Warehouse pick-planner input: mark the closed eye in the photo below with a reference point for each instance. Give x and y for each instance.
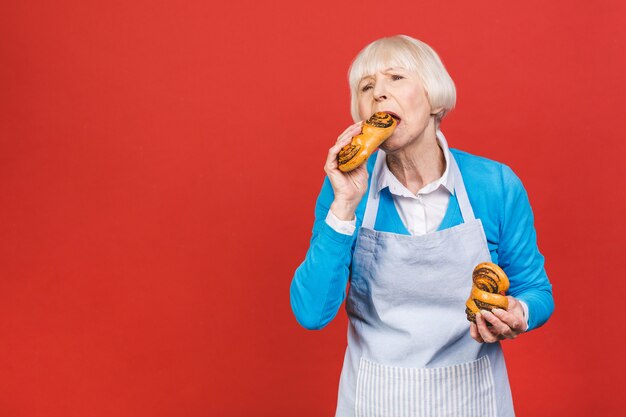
(366, 87)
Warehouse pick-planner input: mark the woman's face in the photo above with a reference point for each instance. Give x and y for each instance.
(400, 93)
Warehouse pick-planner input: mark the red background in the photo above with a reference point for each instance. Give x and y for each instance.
(159, 164)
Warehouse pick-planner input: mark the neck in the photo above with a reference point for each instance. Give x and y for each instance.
(419, 163)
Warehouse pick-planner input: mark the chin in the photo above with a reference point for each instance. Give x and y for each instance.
(392, 145)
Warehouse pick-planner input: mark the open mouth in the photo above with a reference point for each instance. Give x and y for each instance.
(395, 116)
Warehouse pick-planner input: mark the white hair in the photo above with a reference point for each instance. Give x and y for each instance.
(402, 51)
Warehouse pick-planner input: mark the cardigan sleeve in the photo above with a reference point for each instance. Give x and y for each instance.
(518, 253)
(319, 285)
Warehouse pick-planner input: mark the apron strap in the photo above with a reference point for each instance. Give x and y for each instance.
(461, 193)
(459, 186)
(373, 197)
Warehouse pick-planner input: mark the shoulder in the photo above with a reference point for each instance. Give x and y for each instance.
(480, 172)
(476, 164)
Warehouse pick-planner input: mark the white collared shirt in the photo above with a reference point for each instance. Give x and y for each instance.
(421, 213)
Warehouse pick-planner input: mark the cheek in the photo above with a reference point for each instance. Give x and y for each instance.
(419, 100)
(365, 105)
(364, 111)
(419, 106)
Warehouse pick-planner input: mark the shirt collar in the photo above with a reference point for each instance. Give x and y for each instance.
(386, 179)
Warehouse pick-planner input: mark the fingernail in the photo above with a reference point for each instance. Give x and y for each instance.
(483, 311)
(496, 310)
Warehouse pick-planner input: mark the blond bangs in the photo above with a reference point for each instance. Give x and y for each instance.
(378, 57)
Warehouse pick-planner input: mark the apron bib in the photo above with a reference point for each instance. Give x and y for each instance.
(409, 351)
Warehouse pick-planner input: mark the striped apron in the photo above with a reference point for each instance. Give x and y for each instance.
(409, 351)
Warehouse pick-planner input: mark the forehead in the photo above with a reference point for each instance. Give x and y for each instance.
(383, 71)
(381, 59)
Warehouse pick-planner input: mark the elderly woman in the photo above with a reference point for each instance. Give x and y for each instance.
(406, 230)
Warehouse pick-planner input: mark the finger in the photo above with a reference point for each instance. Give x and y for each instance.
(331, 158)
(358, 177)
(515, 322)
(515, 307)
(498, 328)
(351, 131)
(474, 333)
(339, 144)
(343, 140)
(361, 170)
(484, 332)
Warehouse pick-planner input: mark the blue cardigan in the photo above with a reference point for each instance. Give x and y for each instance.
(498, 199)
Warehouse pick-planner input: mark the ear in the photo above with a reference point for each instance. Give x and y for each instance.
(436, 111)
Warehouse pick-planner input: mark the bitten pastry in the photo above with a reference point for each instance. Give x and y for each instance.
(374, 132)
(489, 286)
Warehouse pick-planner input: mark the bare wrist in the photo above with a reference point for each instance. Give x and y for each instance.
(342, 210)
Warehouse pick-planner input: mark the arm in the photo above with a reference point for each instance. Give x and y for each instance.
(519, 255)
(520, 258)
(319, 285)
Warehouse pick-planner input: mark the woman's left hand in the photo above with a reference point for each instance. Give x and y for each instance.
(505, 324)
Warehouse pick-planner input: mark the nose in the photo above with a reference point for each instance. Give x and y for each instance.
(380, 92)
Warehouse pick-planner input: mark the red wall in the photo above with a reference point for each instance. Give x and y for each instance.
(159, 163)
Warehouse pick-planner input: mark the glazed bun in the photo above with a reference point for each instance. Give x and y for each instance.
(375, 131)
(489, 286)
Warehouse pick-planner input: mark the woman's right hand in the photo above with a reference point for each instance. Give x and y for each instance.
(349, 187)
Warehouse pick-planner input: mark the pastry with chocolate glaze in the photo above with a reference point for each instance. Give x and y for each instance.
(375, 131)
(489, 286)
